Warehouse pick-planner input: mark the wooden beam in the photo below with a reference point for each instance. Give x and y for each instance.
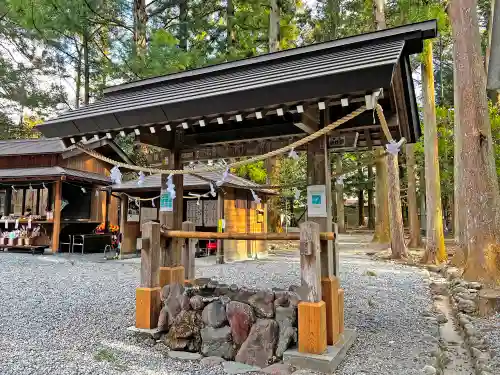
(56, 227)
(305, 128)
(330, 236)
(229, 151)
(240, 133)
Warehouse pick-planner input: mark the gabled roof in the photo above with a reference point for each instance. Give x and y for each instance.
(17, 147)
(39, 146)
(49, 172)
(356, 65)
(153, 182)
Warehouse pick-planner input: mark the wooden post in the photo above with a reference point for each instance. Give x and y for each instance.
(311, 312)
(220, 216)
(8, 201)
(319, 173)
(23, 203)
(147, 304)
(56, 226)
(171, 253)
(123, 221)
(106, 213)
(188, 252)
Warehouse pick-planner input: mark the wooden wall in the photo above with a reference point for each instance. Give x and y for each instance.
(87, 163)
(241, 216)
(27, 161)
(84, 162)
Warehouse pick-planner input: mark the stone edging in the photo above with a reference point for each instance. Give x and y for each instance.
(463, 297)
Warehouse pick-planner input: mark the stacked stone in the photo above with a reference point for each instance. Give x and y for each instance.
(254, 327)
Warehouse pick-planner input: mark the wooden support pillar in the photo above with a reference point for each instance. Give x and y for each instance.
(220, 216)
(319, 173)
(147, 296)
(8, 202)
(23, 203)
(188, 252)
(56, 226)
(123, 222)
(37, 209)
(312, 311)
(106, 212)
(171, 254)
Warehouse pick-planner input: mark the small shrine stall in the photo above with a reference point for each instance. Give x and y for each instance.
(230, 207)
(49, 192)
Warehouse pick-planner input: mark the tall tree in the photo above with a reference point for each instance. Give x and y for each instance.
(382, 228)
(435, 251)
(481, 198)
(140, 26)
(415, 237)
(398, 245)
(274, 26)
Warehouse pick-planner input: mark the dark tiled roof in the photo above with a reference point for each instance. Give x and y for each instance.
(153, 182)
(257, 82)
(41, 172)
(32, 146)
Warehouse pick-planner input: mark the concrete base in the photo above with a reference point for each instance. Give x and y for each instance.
(326, 362)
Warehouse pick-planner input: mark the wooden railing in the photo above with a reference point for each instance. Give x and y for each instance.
(325, 236)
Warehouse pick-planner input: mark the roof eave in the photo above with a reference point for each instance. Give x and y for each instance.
(424, 30)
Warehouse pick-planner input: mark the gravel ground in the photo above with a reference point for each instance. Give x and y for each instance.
(61, 316)
(490, 330)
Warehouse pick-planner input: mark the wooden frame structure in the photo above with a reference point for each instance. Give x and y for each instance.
(233, 203)
(37, 174)
(255, 105)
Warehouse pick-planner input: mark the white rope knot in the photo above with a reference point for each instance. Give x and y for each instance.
(256, 198)
(116, 175)
(140, 180)
(292, 154)
(296, 193)
(394, 147)
(224, 177)
(171, 187)
(212, 190)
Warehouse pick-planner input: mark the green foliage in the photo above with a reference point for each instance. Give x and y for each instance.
(255, 172)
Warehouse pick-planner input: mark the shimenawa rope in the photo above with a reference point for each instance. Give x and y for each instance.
(240, 163)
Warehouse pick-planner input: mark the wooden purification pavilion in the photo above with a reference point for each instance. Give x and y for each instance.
(252, 106)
